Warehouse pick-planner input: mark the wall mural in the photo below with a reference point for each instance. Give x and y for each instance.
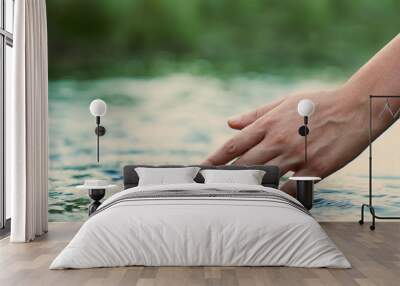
(172, 72)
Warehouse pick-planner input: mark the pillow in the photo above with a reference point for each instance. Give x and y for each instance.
(165, 176)
(247, 177)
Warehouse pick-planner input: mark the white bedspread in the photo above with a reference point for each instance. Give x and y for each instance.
(200, 231)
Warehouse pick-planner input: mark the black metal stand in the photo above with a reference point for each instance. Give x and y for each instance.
(304, 131)
(100, 131)
(370, 205)
(96, 195)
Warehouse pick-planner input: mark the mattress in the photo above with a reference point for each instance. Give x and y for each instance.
(201, 225)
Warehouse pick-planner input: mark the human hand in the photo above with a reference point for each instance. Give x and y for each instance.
(338, 128)
(269, 135)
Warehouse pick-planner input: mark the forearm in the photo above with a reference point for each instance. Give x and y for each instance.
(379, 76)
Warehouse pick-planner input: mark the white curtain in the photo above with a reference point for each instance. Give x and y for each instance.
(26, 123)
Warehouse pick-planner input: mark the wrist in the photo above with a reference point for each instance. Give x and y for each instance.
(359, 103)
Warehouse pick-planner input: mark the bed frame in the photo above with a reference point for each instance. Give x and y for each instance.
(270, 179)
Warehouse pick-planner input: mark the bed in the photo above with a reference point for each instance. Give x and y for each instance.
(198, 224)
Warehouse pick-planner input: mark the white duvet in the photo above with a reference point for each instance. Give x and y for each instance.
(200, 231)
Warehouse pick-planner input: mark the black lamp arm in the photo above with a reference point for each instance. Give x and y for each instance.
(303, 131)
(100, 131)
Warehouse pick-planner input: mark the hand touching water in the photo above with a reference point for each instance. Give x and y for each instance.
(269, 135)
(338, 127)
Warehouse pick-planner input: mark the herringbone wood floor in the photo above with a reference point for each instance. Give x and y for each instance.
(375, 257)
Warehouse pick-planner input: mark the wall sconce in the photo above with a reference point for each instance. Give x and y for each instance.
(305, 108)
(98, 108)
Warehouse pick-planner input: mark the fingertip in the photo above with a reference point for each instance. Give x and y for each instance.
(207, 163)
(289, 188)
(234, 123)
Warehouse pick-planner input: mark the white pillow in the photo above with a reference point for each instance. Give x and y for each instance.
(247, 177)
(165, 176)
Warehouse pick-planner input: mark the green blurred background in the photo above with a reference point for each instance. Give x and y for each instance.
(173, 71)
(103, 38)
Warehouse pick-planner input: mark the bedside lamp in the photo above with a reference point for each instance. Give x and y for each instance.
(305, 108)
(98, 108)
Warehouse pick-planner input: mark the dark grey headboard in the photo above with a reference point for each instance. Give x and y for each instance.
(271, 177)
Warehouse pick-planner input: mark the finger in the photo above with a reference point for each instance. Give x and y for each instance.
(241, 121)
(237, 145)
(289, 187)
(285, 165)
(258, 155)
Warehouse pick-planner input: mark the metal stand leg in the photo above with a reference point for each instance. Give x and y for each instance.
(374, 216)
(372, 211)
(361, 221)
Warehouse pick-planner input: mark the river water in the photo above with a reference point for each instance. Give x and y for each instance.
(179, 119)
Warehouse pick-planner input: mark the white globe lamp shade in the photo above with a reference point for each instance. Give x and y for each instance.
(98, 107)
(305, 107)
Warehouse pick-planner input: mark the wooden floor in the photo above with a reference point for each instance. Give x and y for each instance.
(375, 257)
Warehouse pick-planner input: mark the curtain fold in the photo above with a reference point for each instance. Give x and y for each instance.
(27, 123)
